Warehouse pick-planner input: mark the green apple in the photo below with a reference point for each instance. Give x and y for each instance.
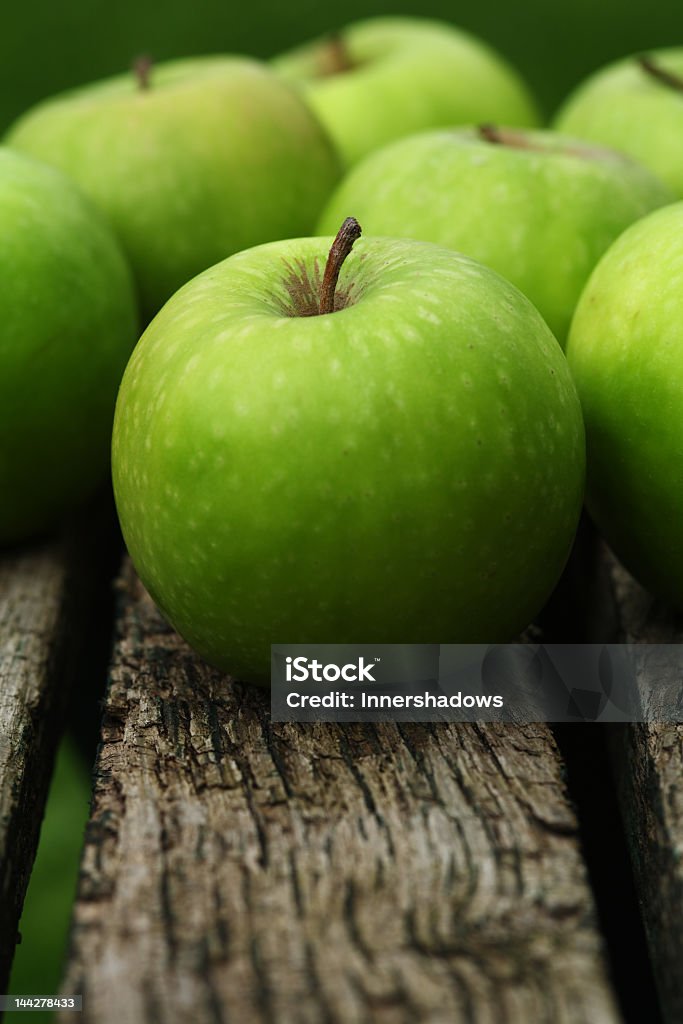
(381, 79)
(191, 161)
(397, 459)
(537, 207)
(635, 105)
(626, 353)
(69, 323)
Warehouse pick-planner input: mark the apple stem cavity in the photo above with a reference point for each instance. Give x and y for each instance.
(348, 233)
(142, 69)
(660, 74)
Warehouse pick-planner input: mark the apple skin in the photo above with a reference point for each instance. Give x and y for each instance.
(185, 169)
(540, 213)
(69, 324)
(412, 74)
(625, 351)
(407, 468)
(624, 107)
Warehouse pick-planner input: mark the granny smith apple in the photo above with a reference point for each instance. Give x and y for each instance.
(191, 161)
(626, 353)
(537, 207)
(393, 456)
(69, 324)
(380, 79)
(635, 105)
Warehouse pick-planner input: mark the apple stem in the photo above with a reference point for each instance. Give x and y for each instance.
(655, 70)
(337, 56)
(348, 233)
(505, 137)
(142, 67)
(490, 133)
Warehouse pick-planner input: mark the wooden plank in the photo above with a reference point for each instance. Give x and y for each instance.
(47, 595)
(33, 622)
(648, 768)
(238, 870)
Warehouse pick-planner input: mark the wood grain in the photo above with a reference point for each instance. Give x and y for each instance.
(236, 870)
(36, 620)
(53, 598)
(648, 768)
(33, 621)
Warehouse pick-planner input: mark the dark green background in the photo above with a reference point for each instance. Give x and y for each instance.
(47, 45)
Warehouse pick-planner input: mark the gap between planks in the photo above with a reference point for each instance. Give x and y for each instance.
(648, 769)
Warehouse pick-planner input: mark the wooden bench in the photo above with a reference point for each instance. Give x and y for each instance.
(237, 870)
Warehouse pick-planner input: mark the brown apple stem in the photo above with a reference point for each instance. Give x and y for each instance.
(490, 133)
(514, 139)
(336, 56)
(142, 68)
(655, 70)
(348, 233)
(505, 137)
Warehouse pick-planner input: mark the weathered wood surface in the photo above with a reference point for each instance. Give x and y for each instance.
(648, 768)
(52, 594)
(40, 589)
(33, 618)
(237, 870)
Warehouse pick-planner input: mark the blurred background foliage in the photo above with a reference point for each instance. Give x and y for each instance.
(47, 46)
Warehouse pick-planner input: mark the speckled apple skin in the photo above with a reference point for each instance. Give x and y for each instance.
(216, 155)
(626, 353)
(624, 107)
(405, 469)
(68, 323)
(541, 214)
(411, 74)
